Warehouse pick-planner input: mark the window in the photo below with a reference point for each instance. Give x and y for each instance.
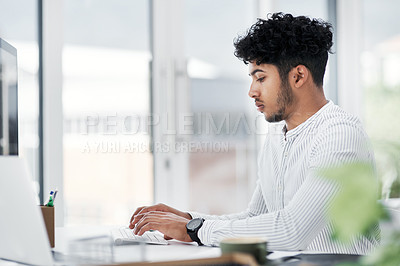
(325, 10)
(380, 61)
(19, 27)
(223, 155)
(108, 167)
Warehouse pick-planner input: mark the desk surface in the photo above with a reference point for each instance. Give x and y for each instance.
(131, 253)
(175, 251)
(179, 251)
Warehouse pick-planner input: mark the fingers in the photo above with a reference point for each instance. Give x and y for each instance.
(136, 212)
(171, 225)
(153, 218)
(136, 219)
(139, 210)
(139, 214)
(149, 226)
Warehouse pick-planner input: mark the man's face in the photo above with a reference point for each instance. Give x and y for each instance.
(272, 96)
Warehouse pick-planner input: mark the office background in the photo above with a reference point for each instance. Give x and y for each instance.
(105, 85)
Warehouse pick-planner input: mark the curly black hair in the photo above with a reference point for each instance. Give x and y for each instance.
(286, 41)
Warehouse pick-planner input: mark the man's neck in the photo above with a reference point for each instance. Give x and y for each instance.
(303, 110)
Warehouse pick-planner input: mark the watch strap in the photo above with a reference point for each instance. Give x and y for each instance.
(194, 233)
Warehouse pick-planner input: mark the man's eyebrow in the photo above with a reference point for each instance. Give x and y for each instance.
(255, 71)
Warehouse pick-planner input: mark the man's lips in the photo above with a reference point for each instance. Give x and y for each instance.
(260, 106)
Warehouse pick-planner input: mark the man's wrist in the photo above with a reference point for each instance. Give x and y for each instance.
(192, 227)
(188, 238)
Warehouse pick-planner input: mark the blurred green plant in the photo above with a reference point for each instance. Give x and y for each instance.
(386, 255)
(355, 210)
(381, 106)
(387, 155)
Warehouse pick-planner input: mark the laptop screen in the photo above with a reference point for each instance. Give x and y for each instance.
(22, 230)
(8, 99)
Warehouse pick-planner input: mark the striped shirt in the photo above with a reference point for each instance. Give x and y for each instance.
(290, 201)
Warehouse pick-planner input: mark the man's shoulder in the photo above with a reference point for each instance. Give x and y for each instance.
(340, 137)
(336, 119)
(338, 128)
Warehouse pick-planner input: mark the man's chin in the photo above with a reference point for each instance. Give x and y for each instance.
(273, 118)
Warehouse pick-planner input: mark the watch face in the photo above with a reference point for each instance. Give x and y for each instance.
(193, 224)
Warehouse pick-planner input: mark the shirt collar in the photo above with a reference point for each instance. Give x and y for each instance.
(305, 124)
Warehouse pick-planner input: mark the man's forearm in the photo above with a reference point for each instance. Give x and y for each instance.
(234, 216)
(256, 207)
(292, 228)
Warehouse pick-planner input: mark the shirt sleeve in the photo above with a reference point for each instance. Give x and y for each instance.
(256, 207)
(296, 225)
(291, 228)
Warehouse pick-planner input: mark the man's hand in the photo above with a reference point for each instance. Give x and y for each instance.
(141, 211)
(170, 224)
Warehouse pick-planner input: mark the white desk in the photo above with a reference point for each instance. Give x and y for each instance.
(133, 253)
(64, 236)
(180, 251)
(174, 251)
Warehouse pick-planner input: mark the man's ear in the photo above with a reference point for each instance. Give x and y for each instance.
(298, 76)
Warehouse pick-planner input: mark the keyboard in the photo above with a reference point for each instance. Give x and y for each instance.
(124, 236)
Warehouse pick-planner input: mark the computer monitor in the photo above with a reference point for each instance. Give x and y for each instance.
(8, 99)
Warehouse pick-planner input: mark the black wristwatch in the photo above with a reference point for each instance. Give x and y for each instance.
(192, 227)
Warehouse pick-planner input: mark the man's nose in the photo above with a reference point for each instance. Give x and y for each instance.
(253, 92)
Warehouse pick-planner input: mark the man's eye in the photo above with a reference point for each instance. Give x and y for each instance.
(261, 79)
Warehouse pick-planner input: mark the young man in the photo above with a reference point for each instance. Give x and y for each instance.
(286, 57)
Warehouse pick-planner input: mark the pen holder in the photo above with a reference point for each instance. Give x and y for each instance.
(48, 217)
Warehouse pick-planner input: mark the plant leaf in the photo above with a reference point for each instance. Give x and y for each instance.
(355, 209)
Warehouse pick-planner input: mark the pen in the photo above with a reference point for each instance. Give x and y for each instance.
(50, 203)
(54, 196)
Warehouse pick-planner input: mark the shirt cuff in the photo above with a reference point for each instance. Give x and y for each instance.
(205, 233)
(195, 215)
